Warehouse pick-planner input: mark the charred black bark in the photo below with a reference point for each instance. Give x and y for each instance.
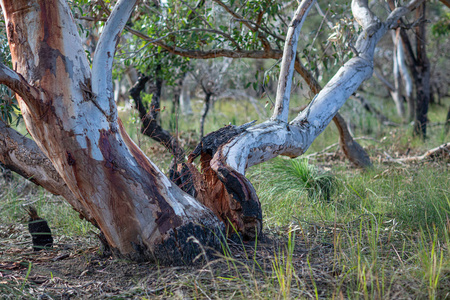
(149, 117)
(447, 122)
(205, 110)
(423, 78)
(190, 244)
(212, 141)
(39, 230)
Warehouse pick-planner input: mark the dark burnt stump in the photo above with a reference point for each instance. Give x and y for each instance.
(39, 230)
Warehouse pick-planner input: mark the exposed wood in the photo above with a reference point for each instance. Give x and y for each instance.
(272, 138)
(441, 152)
(141, 213)
(229, 194)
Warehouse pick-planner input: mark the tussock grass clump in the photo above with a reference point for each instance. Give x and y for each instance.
(298, 176)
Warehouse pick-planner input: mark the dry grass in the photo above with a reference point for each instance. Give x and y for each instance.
(383, 234)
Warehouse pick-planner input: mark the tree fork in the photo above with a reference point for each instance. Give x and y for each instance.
(71, 114)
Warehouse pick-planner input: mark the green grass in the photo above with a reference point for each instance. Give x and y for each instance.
(378, 234)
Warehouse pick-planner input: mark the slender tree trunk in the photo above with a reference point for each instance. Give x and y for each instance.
(423, 77)
(177, 95)
(412, 62)
(185, 98)
(149, 124)
(206, 105)
(397, 92)
(447, 121)
(407, 81)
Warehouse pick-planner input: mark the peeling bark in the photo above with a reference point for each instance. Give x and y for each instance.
(22, 156)
(228, 193)
(137, 208)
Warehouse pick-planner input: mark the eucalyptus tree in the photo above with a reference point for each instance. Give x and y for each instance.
(69, 110)
(234, 29)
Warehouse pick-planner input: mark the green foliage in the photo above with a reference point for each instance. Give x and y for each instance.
(9, 110)
(442, 26)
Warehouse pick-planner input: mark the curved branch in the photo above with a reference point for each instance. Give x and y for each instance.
(104, 56)
(363, 14)
(23, 156)
(200, 54)
(150, 126)
(18, 84)
(281, 110)
(272, 138)
(155, 41)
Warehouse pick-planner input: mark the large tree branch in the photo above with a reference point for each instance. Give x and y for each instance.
(23, 156)
(214, 53)
(357, 154)
(18, 84)
(281, 110)
(102, 85)
(160, 39)
(272, 138)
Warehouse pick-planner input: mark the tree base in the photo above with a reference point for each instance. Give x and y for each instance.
(189, 244)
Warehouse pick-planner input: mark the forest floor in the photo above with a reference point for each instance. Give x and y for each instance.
(330, 231)
(370, 256)
(74, 269)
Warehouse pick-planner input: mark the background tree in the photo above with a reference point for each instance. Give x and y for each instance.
(253, 32)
